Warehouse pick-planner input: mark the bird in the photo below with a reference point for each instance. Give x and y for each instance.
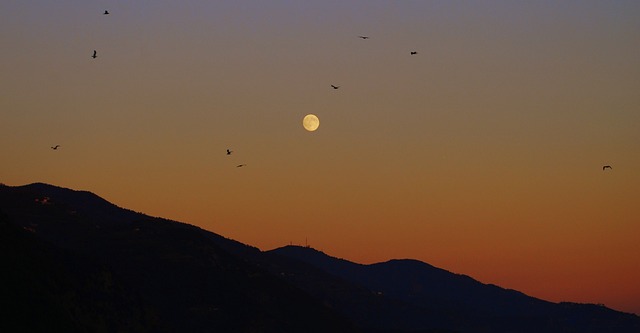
(414, 52)
(335, 87)
(363, 37)
(229, 152)
(606, 167)
(55, 147)
(240, 165)
(95, 54)
(106, 12)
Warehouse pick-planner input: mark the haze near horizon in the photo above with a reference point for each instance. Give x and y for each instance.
(482, 154)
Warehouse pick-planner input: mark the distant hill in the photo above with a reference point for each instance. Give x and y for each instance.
(73, 262)
(460, 302)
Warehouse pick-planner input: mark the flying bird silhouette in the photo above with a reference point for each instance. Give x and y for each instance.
(106, 12)
(414, 52)
(229, 152)
(55, 147)
(363, 37)
(95, 54)
(606, 167)
(335, 87)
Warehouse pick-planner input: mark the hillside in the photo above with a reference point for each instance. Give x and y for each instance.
(75, 262)
(81, 252)
(458, 302)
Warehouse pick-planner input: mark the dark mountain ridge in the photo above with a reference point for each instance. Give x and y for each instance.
(469, 305)
(183, 281)
(417, 281)
(126, 271)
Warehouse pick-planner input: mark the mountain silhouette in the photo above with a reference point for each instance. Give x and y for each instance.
(181, 280)
(460, 302)
(75, 262)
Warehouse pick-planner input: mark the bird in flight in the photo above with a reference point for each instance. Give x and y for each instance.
(106, 12)
(606, 167)
(229, 151)
(363, 37)
(95, 54)
(55, 147)
(335, 87)
(240, 165)
(414, 52)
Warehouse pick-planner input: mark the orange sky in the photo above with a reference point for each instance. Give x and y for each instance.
(482, 154)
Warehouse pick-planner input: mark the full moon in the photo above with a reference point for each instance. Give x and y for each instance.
(310, 122)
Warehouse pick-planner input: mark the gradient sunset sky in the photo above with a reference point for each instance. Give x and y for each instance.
(482, 154)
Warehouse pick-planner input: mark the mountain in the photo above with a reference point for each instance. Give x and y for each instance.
(71, 261)
(460, 302)
(74, 262)
(45, 288)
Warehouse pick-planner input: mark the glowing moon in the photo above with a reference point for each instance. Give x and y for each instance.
(310, 122)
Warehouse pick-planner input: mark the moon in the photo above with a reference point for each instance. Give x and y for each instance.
(311, 122)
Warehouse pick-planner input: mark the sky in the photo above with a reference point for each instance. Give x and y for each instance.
(481, 154)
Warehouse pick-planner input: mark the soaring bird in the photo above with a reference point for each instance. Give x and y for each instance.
(335, 87)
(55, 147)
(95, 54)
(363, 37)
(229, 152)
(106, 12)
(240, 165)
(414, 52)
(606, 167)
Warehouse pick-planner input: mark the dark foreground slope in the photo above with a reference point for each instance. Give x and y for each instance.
(74, 262)
(47, 289)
